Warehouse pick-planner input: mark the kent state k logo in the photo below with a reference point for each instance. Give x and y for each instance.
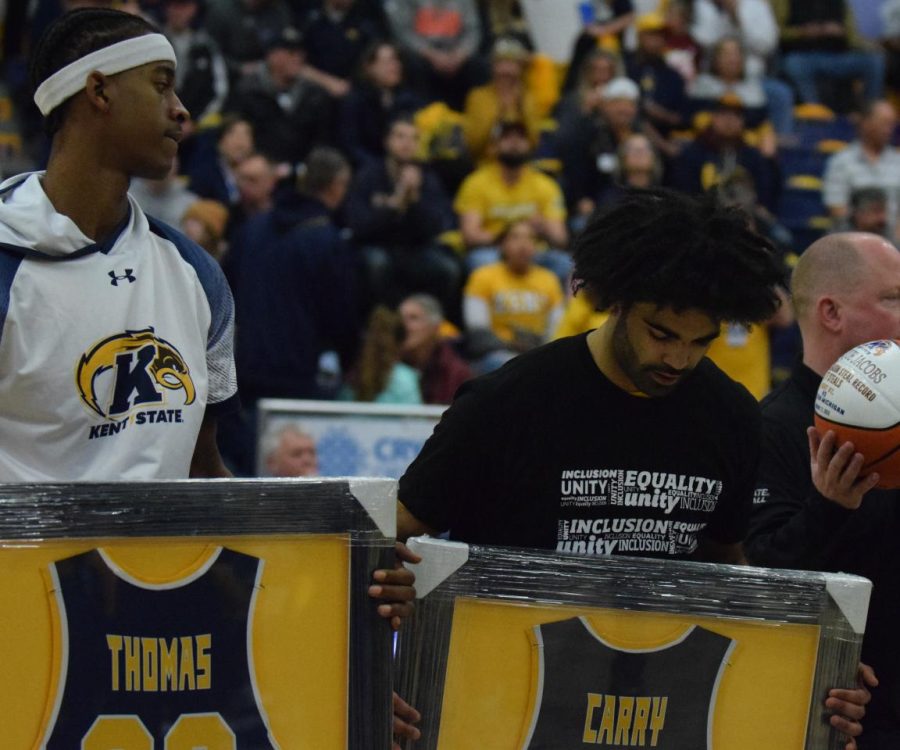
(133, 366)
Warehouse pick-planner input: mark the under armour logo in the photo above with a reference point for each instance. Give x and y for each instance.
(117, 278)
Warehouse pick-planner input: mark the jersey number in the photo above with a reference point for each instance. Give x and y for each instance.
(189, 732)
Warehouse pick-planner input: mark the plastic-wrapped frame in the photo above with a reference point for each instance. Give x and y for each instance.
(786, 637)
(353, 520)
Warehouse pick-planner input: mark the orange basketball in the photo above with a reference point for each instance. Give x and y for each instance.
(859, 399)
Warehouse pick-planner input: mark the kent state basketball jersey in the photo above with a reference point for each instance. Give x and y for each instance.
(590, 693)
(156, 666)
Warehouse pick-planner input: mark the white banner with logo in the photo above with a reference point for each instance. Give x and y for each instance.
(348, 439)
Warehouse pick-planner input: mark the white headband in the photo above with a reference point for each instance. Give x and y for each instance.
(110, 60)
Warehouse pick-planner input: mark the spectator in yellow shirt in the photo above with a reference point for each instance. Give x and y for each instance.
(509, 190)
(504, 98)
(511, 306)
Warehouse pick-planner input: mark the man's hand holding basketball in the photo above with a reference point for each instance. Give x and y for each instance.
(836, 470)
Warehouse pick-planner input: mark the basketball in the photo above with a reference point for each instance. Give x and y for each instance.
(859, 399)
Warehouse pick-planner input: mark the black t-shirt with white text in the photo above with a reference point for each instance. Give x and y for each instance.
(546, 452)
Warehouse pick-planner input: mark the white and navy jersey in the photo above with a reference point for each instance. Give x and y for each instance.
(110, 353)
(591, 693)
(170, 664)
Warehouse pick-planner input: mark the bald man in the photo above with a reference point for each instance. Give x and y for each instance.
(813, 508)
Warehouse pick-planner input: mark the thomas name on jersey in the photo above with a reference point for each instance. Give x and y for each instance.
(141, 664)
(624, 720)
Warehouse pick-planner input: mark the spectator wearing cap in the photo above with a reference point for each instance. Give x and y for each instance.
(663, 100)
(289, 113)
(720, 150)
(753, 23)
(588, 145)
(244, 29)
(727, 76)
(201, 78)
(869, 161)
(336, 33)
(820, 41)
(505, 191)
(504, 98)
(440, 40)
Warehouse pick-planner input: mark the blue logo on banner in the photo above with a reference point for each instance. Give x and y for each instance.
(340, 455)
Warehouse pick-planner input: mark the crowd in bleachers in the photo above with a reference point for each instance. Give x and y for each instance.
(392, 186)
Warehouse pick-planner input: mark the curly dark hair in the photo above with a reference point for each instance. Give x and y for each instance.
(677, 251)
(74, 35)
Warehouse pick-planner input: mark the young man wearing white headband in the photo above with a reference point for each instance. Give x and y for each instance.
(115, 330)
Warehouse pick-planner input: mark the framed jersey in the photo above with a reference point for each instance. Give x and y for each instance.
(195, 614)
(528, 650)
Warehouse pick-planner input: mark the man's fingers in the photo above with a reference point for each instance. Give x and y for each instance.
(394, 577)
(404, 710)
(813, 435)
(392, 610)
(865, 484)
(845, 726)
(847, 703)
(404, 718)
(392, 593)
(405, 554)
(838, 462)
(405, 729)
(865, 674)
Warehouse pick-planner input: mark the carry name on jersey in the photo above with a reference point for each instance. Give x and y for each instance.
(156, 666)
(593, 694)
(109, 353)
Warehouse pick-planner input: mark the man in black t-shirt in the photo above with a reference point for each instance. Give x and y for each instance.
(624, 440)
(846, 291)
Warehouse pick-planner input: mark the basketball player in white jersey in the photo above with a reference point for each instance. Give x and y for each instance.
(115, 330)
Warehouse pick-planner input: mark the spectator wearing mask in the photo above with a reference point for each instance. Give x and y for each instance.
(506, 191)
